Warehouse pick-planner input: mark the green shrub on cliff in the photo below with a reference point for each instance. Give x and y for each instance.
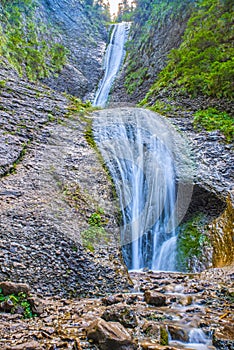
(24, 41)
(212, 119)
(203, 64)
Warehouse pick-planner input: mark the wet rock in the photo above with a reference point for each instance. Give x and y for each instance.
(178, 332)
(122, 314)
(110, 335)
(223, 337)
(14, 288)
(112, 299)
(154, 298)
(152, 329)
(185, 300)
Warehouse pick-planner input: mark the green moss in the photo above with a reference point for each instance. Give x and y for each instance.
(163, 336)
(191, 241)
(212, 119)
(96, 232)
(2, 83)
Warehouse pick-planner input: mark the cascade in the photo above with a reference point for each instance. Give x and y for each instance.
(113, 59)
(140, 150)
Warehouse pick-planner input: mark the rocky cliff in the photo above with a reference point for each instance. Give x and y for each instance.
(52, 183)
(85, 36)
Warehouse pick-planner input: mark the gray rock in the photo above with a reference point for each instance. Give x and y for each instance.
(110, 335)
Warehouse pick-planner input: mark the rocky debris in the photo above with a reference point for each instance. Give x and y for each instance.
(156, 299)
(110, 335)
(78, 323)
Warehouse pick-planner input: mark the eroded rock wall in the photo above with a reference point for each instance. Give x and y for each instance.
(51, 183)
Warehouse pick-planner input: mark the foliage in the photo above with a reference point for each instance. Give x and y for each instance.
(100, 9)
(18, 301)
(204, 63)
(212, 119)
(96, 232)
(77, 106)
(24, 41)
(190, 242)
(148, 17)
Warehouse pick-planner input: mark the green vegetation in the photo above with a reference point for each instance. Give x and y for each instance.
(77, 106)
(148, 18)
(96, 232)
(163, 336)
(18, 303)
(190, 243)
(24, 41)
(203, 64)
(212, 119)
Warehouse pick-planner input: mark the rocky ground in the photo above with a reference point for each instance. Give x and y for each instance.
(196, 311)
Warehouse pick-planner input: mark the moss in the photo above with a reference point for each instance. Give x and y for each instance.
(2, 83)
(163, 336)
(18, 301)
(191, 241)
(24, 42)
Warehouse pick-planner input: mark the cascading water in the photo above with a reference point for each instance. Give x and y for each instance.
(113, 59)
(137, 146)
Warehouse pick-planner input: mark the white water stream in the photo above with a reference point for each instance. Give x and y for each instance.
(113, 59)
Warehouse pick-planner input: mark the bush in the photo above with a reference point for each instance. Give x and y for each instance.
(212, 119)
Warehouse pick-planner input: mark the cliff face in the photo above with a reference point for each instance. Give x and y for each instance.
(51, 185)
(58, 42)
(85, 36)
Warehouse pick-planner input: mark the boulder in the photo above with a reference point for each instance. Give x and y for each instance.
(14, 288)
(155, 298)
(122, 314)
(110, 335)
(178, 332)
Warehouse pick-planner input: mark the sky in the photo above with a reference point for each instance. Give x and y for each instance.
(114, 6)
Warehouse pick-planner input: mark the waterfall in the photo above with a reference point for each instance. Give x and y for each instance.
(113, 59)
(139, 149)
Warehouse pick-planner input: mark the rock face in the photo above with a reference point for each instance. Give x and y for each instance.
(54, 184)
(150, 55)
(85, 38)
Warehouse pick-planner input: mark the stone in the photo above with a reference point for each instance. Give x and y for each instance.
(14, 288)
(122, 314)
(110, 335)
(178, 332)
(223, 337)
(152, 329)
(154, 298)
(31, 345)
(112, 299)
